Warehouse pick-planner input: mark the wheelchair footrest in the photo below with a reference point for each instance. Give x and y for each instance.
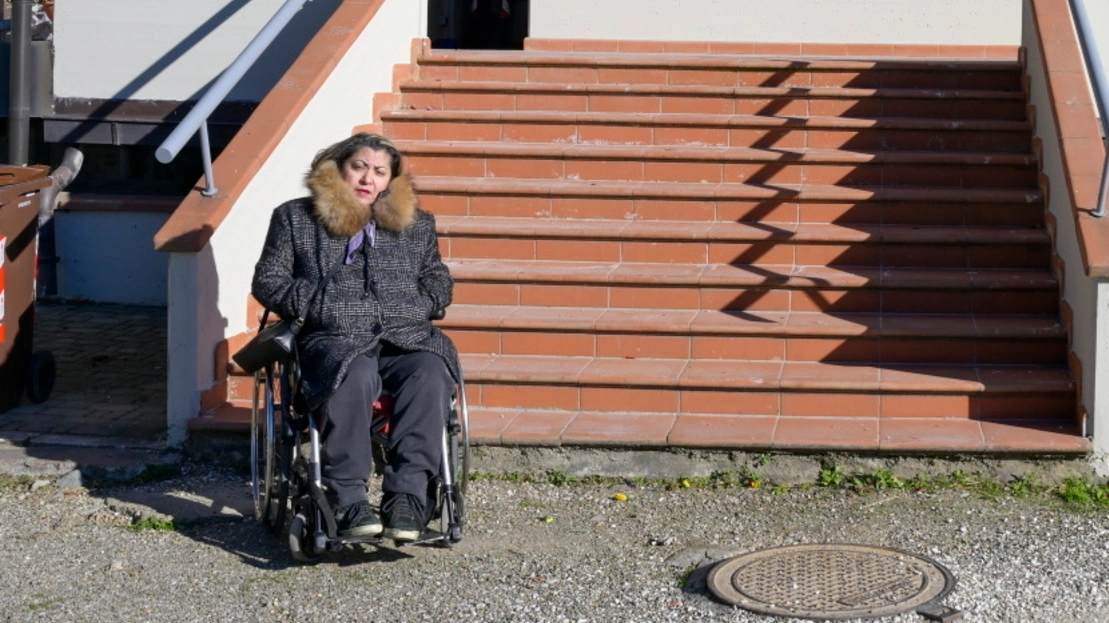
(426, 537)
(352, 540)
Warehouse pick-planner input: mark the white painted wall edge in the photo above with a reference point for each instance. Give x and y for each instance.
(931, 22)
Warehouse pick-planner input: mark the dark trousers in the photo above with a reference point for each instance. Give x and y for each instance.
(421, 387)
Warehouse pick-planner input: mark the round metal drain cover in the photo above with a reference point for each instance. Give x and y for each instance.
(829, 581)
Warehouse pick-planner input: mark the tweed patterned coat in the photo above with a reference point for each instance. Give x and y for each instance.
(386, 293)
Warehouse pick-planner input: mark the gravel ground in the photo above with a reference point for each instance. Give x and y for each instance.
(532, 553)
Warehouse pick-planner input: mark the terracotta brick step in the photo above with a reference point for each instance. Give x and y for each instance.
(753, 288)
(782, 203)
(707, 99)
(790, 388)
(893, 339)
(697, 164)
(536, 427)
(1028, 382)
(927, 433)
(715, 69)
(708, 242)
(700, 129)
(756, 336)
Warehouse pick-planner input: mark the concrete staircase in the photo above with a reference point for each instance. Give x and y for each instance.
(667, 250)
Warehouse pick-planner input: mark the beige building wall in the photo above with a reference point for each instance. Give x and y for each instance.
(941, 22)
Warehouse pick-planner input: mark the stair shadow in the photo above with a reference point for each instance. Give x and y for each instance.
(852, 301)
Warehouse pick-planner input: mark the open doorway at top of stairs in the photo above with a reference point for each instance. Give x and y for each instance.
(478, 24)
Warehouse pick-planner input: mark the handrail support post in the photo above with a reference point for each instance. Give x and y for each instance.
(206, 155)
(1099, 209)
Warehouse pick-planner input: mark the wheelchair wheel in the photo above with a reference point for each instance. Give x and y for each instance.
(453, 511)
(285, 452)
(270, 456)
(302, 539)
(460, 441)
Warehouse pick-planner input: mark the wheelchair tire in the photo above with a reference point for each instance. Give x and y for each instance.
(41, 374)
(285, 446)
(302, 539)
(257, 452)
(460, 443)
(271, 456)
(278, 503)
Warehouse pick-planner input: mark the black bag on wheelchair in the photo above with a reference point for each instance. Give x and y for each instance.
(278, 340)
(272, 343)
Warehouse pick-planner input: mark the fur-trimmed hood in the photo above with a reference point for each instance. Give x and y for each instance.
(340, 212)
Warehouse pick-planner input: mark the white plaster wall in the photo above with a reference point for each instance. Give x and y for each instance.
(1098, 12)
(168, 49)
(107, 257)
(208, 291)
(954, 22)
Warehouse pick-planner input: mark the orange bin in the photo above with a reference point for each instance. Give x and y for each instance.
(22, 369)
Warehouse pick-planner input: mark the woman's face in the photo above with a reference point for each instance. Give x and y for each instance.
(368, 173)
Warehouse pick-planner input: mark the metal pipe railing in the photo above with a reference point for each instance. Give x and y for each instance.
(197, 119)
(1100, 82)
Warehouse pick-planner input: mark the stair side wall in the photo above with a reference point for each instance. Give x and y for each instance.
(1067, 133)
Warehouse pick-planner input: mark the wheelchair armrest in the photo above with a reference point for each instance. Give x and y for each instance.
(438, 313)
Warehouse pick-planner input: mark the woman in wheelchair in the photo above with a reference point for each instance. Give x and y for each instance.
(368, 330)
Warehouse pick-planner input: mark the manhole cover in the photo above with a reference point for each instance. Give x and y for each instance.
(829, 581)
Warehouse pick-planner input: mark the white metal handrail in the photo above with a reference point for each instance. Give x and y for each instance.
(1100, 84)
(197, 119)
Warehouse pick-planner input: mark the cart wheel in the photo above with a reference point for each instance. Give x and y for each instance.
(40, 376)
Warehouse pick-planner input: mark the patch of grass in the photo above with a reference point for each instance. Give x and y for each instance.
(478, 475)
(1076, 493)
(158, 524)
(683, 577)
(42, 601)
(831, 477)
(559, 478)
(1083, 493)
(728, 479)
(1025, 485)
(10, 484)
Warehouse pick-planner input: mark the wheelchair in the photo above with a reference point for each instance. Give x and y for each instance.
(286, 481)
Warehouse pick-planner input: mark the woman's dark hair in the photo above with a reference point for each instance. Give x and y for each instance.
(343, 150)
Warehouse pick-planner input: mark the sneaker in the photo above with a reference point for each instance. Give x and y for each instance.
(358, 519)
(403, 514)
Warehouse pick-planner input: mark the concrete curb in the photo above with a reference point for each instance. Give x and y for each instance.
(79, 459)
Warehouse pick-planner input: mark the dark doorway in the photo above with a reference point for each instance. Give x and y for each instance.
(478, 24)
